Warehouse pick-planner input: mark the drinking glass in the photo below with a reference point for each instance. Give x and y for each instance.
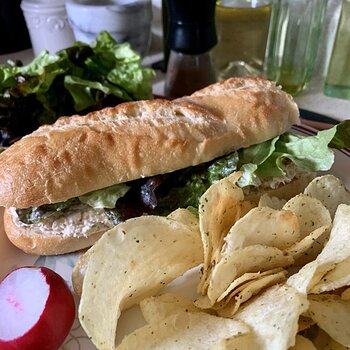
(337, 83)
(242, 28)
(293, 42)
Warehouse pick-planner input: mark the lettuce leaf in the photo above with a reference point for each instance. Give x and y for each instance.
(184, 187)
(342, 137)
(84, 91)
(312, 153)
(79, 79)
(106, 197)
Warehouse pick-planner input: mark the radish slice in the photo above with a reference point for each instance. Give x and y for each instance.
(37, 310)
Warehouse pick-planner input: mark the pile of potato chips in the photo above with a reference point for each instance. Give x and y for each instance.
(274, 275)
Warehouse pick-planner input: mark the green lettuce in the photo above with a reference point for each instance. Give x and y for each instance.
(106, 197)
(78, 79)
(311, 153)
(184, 187)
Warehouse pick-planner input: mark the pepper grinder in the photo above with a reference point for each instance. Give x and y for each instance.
(192, 35)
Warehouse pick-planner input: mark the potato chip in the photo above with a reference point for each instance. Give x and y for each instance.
(273, 316)
(309, 247)
(336, 250)
(318, 336)
(333, 345)
(184, 330)
(346, 294)
(247, 291)
(203, 302)
(271, 202)
(130, 262)
(218, 210)
(302, 343)
(311, 213)
(239, 342)
(332, 314)
(79, 270)
(186, 217)
(254, 258)
(247, 277)
(334, 279)
(155, 309)
(330, 191)
(305, 323)
(265, 226)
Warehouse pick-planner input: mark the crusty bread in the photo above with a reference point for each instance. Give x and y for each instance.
(38, 244)
(80, 154)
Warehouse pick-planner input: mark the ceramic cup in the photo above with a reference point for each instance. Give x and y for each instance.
(126, 20)
(47, 25)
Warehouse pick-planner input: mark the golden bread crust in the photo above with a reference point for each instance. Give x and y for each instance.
(80, 154)
(39, 244)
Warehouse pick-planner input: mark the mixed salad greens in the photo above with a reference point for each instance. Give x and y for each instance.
(162, 194)
(79, 79)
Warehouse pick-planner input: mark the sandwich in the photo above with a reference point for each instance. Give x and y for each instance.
(66, 184)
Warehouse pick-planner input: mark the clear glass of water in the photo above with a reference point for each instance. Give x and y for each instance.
(293, 42)
(337, 83)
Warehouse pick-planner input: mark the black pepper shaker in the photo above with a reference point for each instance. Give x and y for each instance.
(192, 35)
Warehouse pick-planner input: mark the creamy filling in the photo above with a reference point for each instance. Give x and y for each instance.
(77, 221)
(292, 173)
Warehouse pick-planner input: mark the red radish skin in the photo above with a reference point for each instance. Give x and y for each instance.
(49, 305)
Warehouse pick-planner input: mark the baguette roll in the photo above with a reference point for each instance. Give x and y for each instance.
(80, 154)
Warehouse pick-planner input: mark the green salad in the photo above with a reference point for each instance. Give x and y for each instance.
(79, 79)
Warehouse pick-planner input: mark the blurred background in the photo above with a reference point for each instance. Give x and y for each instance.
(304, 45)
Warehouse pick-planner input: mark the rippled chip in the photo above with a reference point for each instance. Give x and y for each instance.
(247, 291)
(346, 294)
(253, 244)
(155, 309)
(239, 342)
(330, 191)
(184, 330)
(333, 345)
(186, 217)
(336, 250)
(332, 314)
(253, 258)
(273, 316)
(311, 213)
(305, 323)
(248, 277)
(334, 279)
(265, 226)
(271, 202)
(219, 208)
(130, 262)
(310, 246)
(302, 343)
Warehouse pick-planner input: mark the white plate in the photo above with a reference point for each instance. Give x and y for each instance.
(12, 257)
